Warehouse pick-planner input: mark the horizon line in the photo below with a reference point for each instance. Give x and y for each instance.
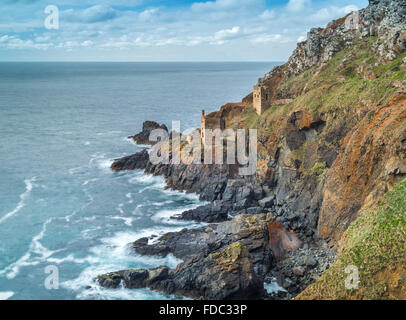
(133, 61)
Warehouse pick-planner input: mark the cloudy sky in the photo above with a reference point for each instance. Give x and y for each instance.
(162, 30)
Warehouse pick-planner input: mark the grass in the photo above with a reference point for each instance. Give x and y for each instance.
(375, 243)
(337, 89)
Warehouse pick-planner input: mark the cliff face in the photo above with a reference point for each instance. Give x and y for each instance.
(372, 161)
(328, 151)
(374, 246)
(340, 143)
(382, 18)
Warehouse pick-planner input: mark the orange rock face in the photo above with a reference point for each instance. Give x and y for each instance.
(372, 161)
(281, 241)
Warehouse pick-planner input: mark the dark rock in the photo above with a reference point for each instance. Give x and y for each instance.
(136, 161)
(327, 155)
(267, 202)
(226, 274)
(157, 275)
(134, 279)
(250, 230)
(254, 210)
(147, 127)
(210, 213)
(110, 280)
(295, 140)
(141, 247)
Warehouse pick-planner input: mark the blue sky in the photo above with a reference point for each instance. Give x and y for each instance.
(162, 30)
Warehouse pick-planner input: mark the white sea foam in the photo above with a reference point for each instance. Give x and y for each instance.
(129, 196)
(71, 258)
(116, 249)
(114, 254)
(145, 179)
(273, 287)
(104, 163)
(29, 185)
(76, 170)
(96, 292)
(128, 221)
(35, 254)
(164, 216)
(89, 181)
(162, 203)
(99, 160)
(6, 295)
(109, 133)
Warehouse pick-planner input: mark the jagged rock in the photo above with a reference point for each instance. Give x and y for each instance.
(216, 211)
(147, 127)
(111, 280)
(226, 274)
(134, 279)
(135, 161)
(267, 202)
(250, 230)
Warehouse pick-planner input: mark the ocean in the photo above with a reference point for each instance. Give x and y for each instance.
(61, 126)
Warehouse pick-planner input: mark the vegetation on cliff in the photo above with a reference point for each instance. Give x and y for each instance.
(353, 80)
(375, 244)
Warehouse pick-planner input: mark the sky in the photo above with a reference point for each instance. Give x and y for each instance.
(161, 30)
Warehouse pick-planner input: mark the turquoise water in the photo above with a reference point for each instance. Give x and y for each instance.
(61, 125)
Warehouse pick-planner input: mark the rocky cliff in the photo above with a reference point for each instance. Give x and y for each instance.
(328, 151)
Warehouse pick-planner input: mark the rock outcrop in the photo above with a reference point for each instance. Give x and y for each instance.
(139, 160)
(335, 143)
(373, 161)
(221, 261)
(143, 137)
(223, 275)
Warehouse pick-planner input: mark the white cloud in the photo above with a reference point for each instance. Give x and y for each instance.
(227, 34)
(267, 38)
(101, 28)
(149, 14)
(325, 15)
(97, 13)
(217, 5)
(87, 43)
(13, 42)
(298, 5)
(268, 15)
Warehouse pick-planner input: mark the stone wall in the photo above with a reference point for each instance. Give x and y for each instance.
(261, 99)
